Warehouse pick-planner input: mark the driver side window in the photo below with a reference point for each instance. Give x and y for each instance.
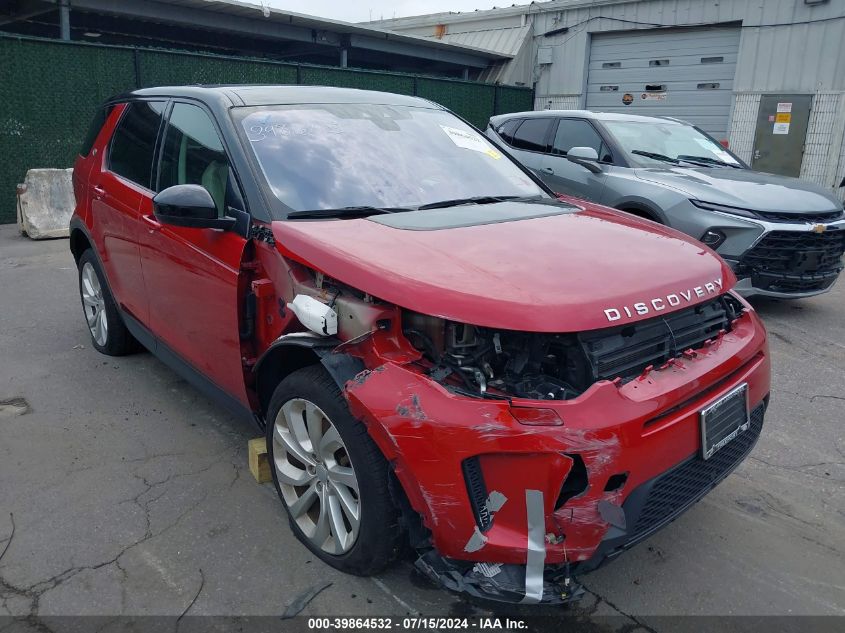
(194, 155)
(578, 133)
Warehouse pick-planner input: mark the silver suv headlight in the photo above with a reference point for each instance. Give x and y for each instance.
(721, 208)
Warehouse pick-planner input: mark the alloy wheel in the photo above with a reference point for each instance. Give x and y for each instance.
(316, 476)
(94, 304)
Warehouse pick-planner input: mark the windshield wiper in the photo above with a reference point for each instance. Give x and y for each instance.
(344, 212)
(655, 156)
(708, 160)
(694, 160)
(442, 204)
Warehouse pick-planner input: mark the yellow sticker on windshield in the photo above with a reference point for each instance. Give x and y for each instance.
(493, 154)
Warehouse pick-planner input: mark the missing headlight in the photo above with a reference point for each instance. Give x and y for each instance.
(489, 362)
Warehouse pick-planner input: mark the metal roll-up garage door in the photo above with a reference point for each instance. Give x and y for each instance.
(684, 73)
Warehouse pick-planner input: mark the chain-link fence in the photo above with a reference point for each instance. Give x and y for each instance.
(51, 89)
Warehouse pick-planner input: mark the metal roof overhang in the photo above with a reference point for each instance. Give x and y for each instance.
(251, 20)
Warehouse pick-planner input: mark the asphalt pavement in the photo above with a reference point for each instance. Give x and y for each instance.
(129, 492)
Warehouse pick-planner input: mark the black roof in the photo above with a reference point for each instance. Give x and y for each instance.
(253, 95)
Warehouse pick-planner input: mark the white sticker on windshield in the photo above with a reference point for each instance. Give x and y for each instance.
(470, 140)
(721, 154)
(724, 156)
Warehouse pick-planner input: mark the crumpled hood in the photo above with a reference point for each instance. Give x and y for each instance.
(744, 188)
(557, 273)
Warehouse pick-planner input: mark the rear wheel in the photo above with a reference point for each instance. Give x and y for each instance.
(108, 333)
(330, 475)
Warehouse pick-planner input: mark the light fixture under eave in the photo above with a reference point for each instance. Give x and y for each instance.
(91, 34)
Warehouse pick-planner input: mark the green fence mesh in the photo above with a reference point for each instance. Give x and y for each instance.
(175, 69)
(367, 80)
(473, 101)
(52, 88)
(50, 92)
(512, 99)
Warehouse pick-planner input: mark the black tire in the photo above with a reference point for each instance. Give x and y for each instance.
(117, 340)
(645, 215)
(379, 537)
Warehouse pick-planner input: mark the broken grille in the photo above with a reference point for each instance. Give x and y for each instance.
(626, 351)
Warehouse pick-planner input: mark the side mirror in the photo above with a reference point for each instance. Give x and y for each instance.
(191, 206)
(587, 157)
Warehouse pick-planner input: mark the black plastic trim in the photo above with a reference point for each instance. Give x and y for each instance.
(477, 492)
(182, 367)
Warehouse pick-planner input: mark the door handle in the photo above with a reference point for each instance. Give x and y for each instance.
(152, 224)
(548, 170)
(99, 192)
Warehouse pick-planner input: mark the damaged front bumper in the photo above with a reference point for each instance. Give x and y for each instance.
(519, 495)
(553, 585)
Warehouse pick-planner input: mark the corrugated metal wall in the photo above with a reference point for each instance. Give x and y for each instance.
(683, 73)
(52, 88)
(823, 115)
(840, 172)
(743, 123)
(557, 102)
(788, 58)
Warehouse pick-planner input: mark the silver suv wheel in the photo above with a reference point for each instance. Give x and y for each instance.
(316, 476)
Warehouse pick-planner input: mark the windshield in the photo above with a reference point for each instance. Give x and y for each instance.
(666, 140)
(333, 156)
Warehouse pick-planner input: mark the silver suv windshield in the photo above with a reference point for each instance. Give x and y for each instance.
(648, 143)
(337, 156)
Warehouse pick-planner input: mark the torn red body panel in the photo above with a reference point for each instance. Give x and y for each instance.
(637, 429)
(537, 374)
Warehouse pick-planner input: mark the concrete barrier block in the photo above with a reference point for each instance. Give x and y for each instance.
(45, 203)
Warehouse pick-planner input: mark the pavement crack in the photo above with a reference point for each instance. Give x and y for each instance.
(124, 579)
(11, 536)
(633, 618)
(824, 395)
(302, 600)
(800, 468)
(237, 475)
(196, 595)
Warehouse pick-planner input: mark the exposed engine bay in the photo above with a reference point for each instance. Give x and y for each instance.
(540, 366)
(493, 363)
(522, 364)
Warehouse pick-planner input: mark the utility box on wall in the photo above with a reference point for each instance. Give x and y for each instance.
(781, 133)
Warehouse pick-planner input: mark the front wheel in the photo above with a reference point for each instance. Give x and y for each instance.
(330, 475)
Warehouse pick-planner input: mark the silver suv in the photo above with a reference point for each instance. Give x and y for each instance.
(782, 236)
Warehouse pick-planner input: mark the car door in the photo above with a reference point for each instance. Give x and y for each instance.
(564, 176)
(191, 274)
(528, 140)
(119, 187)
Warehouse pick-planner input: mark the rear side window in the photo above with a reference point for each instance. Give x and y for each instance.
(531, 135)
(507, 128)
(577, 133)
(133, 144)
(97, 123)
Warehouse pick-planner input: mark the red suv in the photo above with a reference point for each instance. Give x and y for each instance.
(442, 353)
